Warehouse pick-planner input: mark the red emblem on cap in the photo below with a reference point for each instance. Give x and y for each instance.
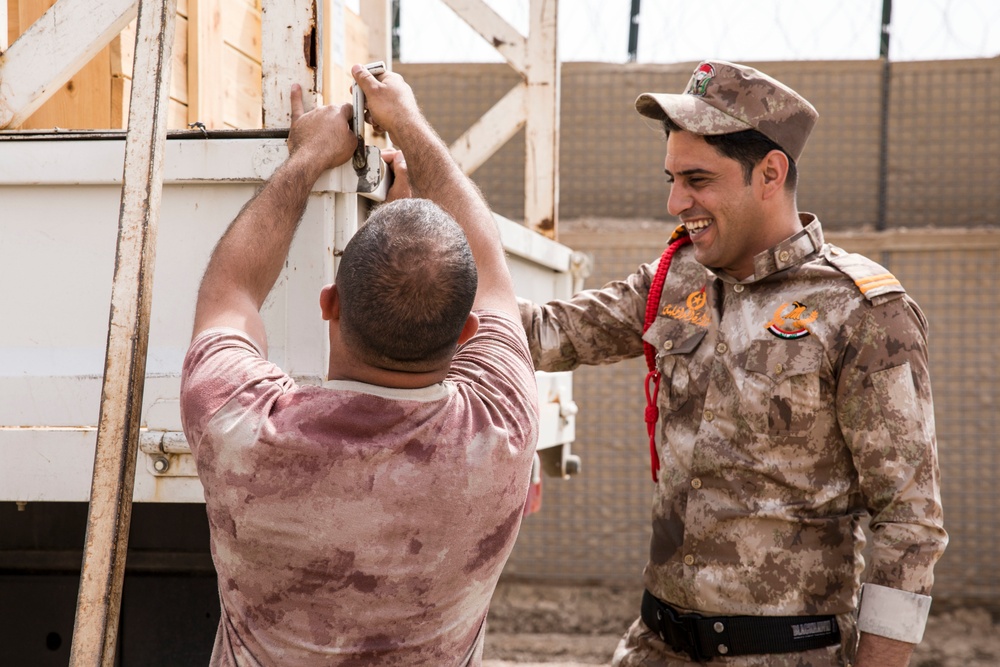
(700, 79)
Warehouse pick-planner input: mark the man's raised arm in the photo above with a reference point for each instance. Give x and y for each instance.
(435, 176)
(248, 258)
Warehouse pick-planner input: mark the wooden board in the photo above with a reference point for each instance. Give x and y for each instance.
(241, 27)
(216, 68)
(242, 97)
(84, 101)
(122, 55)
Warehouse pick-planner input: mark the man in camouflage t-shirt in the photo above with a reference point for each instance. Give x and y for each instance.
(365, 521)
(791, 397)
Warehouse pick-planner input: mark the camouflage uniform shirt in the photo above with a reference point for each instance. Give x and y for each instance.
(353, 524)
(790, 404)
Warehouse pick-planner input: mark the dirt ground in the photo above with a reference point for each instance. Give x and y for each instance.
(566, 626)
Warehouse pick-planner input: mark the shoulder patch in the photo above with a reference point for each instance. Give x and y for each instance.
(870, 277)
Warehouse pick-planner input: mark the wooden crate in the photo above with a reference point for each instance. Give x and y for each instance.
(216, 69)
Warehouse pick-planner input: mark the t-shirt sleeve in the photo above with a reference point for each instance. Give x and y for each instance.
(224, 370)
(496, 365)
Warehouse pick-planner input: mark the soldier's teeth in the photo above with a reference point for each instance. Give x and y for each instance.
(697, 225)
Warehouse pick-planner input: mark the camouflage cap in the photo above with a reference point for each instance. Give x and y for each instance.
(723, 97)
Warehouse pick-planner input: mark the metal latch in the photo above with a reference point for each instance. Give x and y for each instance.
(367, 160)
(167, 454)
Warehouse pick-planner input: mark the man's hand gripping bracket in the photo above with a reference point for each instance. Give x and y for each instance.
(373, 177)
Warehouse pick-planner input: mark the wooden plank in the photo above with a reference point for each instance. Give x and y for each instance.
(49, 52)
(5, 37)
(494, 29)
(541, 164)
(334, 77)
(125, 43)
(491, 131)
(179, 70)
(122, 51)
(287, 33)
(338, 59)
(242, 94)
(377, 16)
(83, 101)
(177, 115)
(122, 54)
(241, 27)
(99, 603)
(121, 76)
(204, 63)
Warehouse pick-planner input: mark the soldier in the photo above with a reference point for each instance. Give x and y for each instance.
(788, 396)
(365, 521)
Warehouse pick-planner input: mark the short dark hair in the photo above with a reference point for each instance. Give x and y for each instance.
(748, 148)
(406, 283)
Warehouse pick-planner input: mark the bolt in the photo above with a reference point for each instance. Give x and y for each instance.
(161, 464)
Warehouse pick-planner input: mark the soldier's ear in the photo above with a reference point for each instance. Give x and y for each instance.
(774, 171)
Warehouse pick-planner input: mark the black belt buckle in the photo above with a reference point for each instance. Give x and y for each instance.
(678, 631)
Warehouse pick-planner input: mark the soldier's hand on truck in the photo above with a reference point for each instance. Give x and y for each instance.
(323, 134)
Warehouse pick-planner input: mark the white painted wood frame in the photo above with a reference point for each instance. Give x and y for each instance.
(288, 41)
(53, 49)
(532, 104)
(99, 602)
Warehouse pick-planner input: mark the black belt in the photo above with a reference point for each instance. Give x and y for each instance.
(707, 637)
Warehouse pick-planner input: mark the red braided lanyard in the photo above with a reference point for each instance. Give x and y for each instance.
(652, 306)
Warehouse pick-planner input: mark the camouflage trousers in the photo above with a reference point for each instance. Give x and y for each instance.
(641, 647)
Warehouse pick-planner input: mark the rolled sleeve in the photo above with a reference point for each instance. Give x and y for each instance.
(890, 612)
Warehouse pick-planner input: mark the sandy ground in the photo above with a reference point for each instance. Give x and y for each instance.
(563, 626)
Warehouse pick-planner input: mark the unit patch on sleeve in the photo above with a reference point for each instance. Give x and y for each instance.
(790, 321)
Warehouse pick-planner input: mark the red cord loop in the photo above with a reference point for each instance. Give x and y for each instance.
(652, 413)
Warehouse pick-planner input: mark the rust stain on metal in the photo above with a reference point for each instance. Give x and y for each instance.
(546, 226)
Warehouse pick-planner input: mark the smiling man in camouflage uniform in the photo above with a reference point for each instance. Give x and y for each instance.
(791, 398)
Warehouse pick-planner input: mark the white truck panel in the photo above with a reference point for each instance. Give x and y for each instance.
(59, 202)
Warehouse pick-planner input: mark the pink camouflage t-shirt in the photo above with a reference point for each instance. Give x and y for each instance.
(353, 524)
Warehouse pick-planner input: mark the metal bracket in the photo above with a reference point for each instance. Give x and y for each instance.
(167, 454)
(559, 462)
(361, 154)
(372, 181)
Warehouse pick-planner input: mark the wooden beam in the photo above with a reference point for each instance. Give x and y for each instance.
(536, 59)
(491, 131)
(541, 166)
(288, 44)
(377, 16)
(4, 37)
(204, 63)
(53, 49)
(494, 29)
(334, 86)
(95, 631)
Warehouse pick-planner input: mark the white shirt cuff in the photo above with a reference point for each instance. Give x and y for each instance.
(893, 613)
